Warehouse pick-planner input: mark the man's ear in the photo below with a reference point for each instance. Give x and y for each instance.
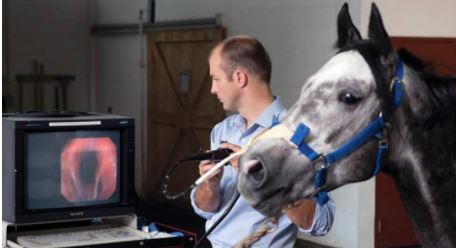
(240, 78)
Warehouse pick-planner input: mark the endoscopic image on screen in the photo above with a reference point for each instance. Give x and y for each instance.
(70, 169)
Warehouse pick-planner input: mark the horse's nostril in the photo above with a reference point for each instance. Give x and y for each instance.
(247, 166)
(255, 169)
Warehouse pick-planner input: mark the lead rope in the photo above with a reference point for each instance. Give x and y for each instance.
(270, 225)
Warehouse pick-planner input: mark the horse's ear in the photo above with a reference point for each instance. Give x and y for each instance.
(377, 32)
(346, 31)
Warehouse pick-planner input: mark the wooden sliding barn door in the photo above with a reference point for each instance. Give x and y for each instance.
(181, 110)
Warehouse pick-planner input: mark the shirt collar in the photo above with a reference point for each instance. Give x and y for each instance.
(266, 117)
(275, 109)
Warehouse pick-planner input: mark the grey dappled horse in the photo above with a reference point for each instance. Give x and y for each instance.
(337, 103)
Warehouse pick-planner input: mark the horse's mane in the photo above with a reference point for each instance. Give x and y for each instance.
(442, 89)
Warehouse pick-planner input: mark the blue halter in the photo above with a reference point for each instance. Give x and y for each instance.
(377, 128)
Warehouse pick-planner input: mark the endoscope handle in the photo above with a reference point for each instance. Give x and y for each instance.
(214, 155)
(220, 153)
(216, 167)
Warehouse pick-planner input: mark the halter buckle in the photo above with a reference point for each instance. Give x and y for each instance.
(393, 81)
(383, 141)
(320, 162)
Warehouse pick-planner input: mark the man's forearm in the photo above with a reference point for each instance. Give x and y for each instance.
(207, 198)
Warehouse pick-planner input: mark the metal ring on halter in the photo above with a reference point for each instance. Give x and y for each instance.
(320, 160)
(383, 140)
(274, 222)
(393, 81)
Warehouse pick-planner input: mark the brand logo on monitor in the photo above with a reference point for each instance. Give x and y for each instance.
(77, 214)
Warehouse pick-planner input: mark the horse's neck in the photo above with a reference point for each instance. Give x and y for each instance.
(423, 165)
(427, 184)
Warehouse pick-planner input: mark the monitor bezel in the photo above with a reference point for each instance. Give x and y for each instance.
(126, 204)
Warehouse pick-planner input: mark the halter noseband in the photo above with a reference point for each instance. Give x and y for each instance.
(377, 128)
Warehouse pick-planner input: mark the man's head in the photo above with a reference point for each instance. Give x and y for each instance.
(236, 63)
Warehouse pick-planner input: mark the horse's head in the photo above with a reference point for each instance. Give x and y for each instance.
(336, 103)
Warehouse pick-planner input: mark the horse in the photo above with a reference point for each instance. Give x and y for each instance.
(368, 109)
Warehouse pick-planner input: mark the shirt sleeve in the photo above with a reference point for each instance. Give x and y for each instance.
(323, 219)
(215, 140)
(199, 211)
(216, 136)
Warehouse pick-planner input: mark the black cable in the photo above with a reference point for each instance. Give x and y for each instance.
(214, 155)
(228, 209)
(165, 184)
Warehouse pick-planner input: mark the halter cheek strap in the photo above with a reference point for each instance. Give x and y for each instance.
(376, 128)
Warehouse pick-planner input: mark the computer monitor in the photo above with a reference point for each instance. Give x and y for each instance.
(59, 167)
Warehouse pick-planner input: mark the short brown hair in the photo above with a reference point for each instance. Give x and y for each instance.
(246, 52)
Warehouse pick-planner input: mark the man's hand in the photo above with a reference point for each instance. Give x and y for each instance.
(214, 180)
(234, 148)
(207, 195)
(302, 213)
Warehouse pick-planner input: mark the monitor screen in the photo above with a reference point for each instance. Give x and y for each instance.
(67, 169)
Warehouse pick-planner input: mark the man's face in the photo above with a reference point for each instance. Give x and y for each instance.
(223, 85)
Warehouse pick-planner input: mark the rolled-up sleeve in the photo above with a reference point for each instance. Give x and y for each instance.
(199, 211)
(323, 219)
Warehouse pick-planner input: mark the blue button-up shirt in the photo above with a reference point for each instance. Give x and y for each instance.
(243, 220)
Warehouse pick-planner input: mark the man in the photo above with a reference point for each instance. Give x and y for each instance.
(240, 70)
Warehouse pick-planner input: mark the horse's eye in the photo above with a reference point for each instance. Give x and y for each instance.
(348, 98)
